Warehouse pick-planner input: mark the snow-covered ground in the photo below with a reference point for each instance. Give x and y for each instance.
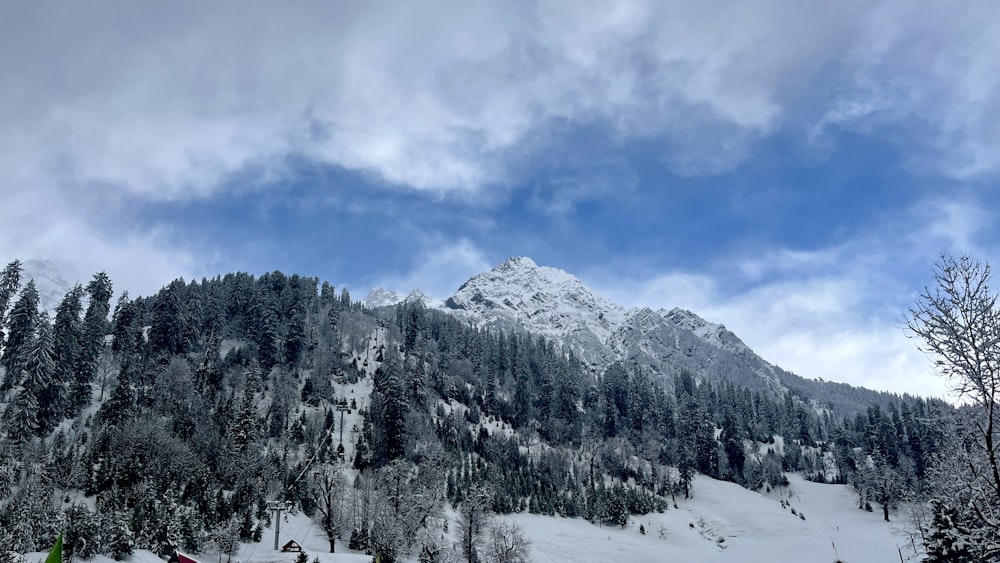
(295, 527)
(725, 522)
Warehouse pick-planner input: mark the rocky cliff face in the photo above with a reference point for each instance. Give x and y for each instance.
(519, 294)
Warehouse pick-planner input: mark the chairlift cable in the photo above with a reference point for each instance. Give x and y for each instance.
(311, 460)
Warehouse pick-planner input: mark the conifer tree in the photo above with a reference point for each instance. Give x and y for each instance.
(95, 322)
(10, 280)
(95, 329)
(117, 537)
(67, 337)
(168, 323)
(389, 410)
(40, 376)
(22, 417)
(39, 367)
(946, 542)
(20, 335)
(125, 330)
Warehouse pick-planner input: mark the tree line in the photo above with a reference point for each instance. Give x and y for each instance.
(171, 420)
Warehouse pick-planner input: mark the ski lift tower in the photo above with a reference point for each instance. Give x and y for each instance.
(277, 507)
(340, 449)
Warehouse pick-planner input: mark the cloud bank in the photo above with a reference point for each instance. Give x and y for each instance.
(169, 102)
(109, 105)
(835, 313)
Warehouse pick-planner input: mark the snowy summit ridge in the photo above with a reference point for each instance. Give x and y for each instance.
(520, 295)
(379, 297)
(543, 300)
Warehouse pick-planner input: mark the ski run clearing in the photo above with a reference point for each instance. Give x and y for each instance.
(722, 522)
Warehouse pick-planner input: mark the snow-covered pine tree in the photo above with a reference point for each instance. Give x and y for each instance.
(20, 336)
(118, 538)
(947, 541)
(40, 375)
(10, 280)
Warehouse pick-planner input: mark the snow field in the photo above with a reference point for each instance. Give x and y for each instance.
(724, 522)
(721, 523)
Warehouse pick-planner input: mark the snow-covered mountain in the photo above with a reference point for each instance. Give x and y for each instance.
(379, 297)
(521, 295)
(49, 281)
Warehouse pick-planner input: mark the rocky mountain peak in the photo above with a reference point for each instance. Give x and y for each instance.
(517, 263)
(518, 294)
(416, 295)
(521, 294)
(379, 297)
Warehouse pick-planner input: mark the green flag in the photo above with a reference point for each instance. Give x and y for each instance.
(55, 556)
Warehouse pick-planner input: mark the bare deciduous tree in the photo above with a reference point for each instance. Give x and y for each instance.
(473, 515)
(507, 544)
(330, 491)
(105, 370)
(958, 322)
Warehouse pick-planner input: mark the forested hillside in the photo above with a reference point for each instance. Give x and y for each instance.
(172, 420)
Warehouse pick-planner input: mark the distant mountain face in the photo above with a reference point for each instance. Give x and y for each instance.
(522, 296)
(49, 281)
(379, 297)
(519, 294)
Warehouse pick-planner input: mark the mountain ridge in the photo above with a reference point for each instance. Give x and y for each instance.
(518, 294)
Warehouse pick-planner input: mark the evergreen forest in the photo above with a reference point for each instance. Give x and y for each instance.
(179, 420)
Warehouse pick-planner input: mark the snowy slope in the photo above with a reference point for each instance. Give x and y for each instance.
(724, 522)
(721, 523)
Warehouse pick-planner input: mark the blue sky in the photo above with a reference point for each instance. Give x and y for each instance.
(789, 169)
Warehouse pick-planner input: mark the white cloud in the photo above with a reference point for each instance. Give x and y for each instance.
(822, 328)
(439, 269)
(835, 313)
(954, 224)
(932, 67)
(38, 225)
(594, 180)
(441, 97)
(169, 102)
(816, 327)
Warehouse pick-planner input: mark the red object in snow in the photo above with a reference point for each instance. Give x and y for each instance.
(179, 557)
